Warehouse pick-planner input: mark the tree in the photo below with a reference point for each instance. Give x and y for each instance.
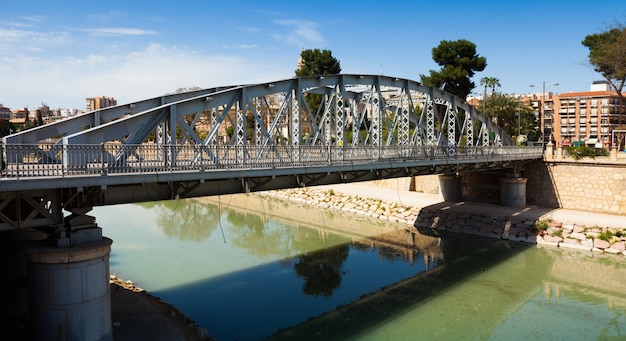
(6, 128)
(39, 117)
(607, 55)
(459, 62)
(504, 109)
(490, 82)
(317, 62)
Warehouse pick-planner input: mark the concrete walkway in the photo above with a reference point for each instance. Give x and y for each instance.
(415, 199)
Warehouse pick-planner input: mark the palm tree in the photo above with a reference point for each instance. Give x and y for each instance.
(490, 82)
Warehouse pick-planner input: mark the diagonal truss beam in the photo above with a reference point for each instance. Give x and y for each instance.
(333, 111)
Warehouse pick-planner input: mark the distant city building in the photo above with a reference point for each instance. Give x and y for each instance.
(589, 116)
(5, 113)
(577, 118)
(95, 103)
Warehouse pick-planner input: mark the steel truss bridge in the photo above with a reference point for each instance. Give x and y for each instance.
(289, 133)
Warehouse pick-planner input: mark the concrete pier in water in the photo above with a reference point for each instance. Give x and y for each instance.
(69, 292)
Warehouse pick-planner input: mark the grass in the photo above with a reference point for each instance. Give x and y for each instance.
(542, 224)
(606, 235)
(557, 233)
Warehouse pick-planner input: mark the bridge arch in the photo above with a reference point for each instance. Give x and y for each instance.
(353, 110)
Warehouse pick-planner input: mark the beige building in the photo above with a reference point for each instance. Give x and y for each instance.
(95, 103)
(586, 117)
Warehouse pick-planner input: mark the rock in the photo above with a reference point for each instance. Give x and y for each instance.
(612, 251)
(621, 246)
(552, 239)
(601, 244)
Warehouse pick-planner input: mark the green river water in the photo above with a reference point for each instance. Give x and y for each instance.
(285, 271)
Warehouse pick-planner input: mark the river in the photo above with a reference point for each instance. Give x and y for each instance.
(289, 271)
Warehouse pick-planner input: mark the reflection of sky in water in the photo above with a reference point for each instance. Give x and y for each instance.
(244, 288)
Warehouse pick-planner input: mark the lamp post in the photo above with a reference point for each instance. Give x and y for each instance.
(518, 125)
(542, 109)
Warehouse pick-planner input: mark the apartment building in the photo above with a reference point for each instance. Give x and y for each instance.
(543, 104)
(5, 113)
(589, 117)
(95, 103)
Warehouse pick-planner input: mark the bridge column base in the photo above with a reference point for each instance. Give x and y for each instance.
(70, 297)
(14, 284)
(513, 191)
(450, 187)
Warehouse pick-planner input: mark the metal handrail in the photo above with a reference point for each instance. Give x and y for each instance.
(54, 160)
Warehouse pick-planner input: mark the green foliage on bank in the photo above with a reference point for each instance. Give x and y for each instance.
(578, 152)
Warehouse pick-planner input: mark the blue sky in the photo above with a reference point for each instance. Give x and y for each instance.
(59, 53)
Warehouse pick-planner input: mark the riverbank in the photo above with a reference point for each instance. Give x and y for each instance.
(137, 315)
(428, 213)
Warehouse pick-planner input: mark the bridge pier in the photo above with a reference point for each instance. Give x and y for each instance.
(450, 187)
(67, 270)
(70, 297)
(14, 284)
(513, 190)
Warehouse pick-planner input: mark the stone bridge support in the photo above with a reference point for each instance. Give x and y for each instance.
(55, 270)
(503, 187)
(69, 291)
(450, 187)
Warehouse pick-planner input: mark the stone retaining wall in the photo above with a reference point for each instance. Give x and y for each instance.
(457, 218)
(524, 228)
(588, 185)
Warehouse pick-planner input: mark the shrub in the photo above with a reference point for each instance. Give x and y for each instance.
(541, 225)
(606, 235)
(578, 152)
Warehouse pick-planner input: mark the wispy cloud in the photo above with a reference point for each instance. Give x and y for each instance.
(153, 70)
(34, 18)
(302, 32)
(241, 47)
(119, 31)
(248, 29)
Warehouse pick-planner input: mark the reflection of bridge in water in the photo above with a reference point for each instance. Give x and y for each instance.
(288, 133)
(385, 236)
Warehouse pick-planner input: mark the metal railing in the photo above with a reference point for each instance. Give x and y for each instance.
(56, 160)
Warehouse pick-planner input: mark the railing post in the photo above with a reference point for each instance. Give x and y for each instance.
(102, 169)
(17, 164)
(329, 155)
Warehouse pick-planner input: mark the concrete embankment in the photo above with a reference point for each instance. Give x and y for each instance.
(556, 227)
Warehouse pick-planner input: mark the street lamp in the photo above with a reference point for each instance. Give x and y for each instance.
(542, 109)
(518, 125)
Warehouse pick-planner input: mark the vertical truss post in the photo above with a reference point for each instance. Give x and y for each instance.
(430, 107)
(240, 126)
(327, 119)
(469, 124)
(295, 123)
(405, 104)
(485, 134)
(357, 120)
(172, 136)
(376, 112)
(340, 119)
(452, 112)
(258, 129)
